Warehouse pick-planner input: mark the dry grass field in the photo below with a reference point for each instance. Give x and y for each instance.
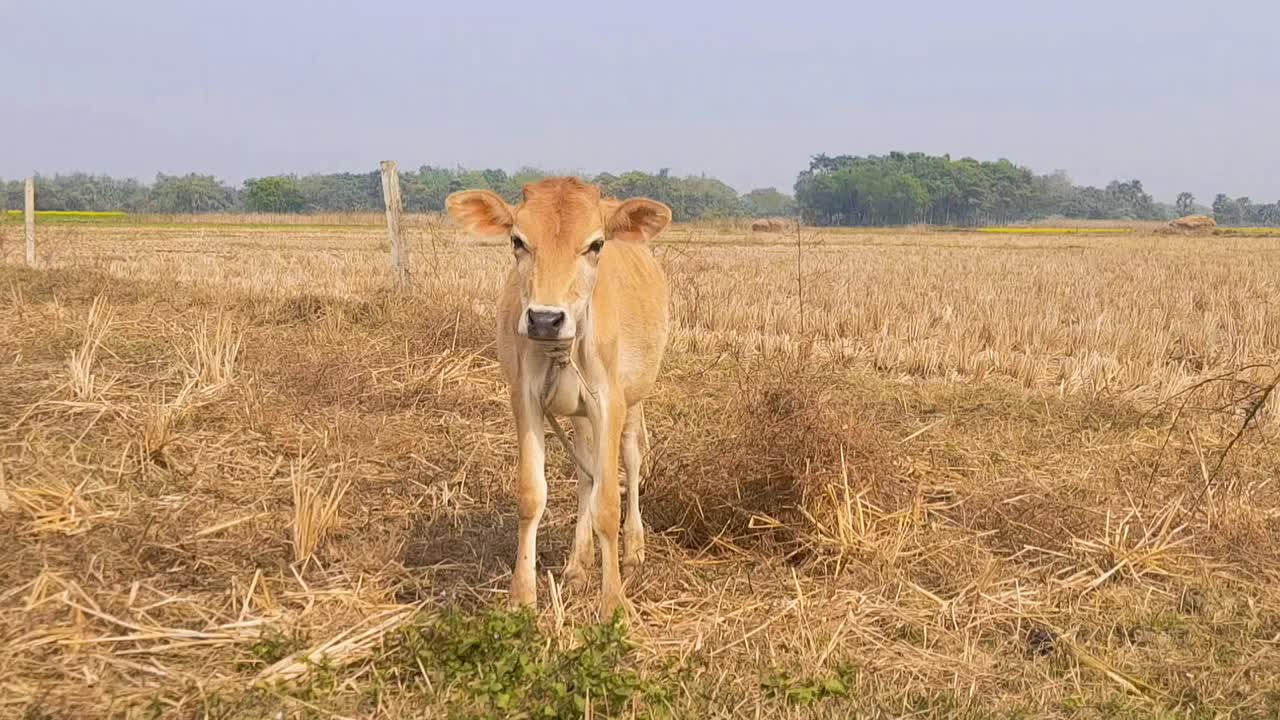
(892, 474)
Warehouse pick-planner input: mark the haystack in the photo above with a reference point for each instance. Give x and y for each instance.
(775, 225)
(1193, 223)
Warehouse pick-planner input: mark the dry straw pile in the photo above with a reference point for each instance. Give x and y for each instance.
(772, 225)
(1193, 223)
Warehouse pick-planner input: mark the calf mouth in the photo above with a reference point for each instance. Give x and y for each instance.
(549, 342)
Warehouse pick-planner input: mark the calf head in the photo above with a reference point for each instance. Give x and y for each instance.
(558, 233)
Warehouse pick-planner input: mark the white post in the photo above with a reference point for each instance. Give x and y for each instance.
(391, 198)
(30, 216)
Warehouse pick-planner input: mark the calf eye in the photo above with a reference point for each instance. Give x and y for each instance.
(518, 245)
(594, 248)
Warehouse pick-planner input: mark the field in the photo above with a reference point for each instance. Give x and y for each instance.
(899, 473)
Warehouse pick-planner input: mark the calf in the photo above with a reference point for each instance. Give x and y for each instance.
(582, 328)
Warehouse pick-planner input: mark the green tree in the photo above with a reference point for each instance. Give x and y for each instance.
(768, 202)
(1185, 204)
(276, 194)
(1246, 211)
(344, 192)
(85, 192)
(915, 187)
(690, 198)
(527, 175)
(1226, 211)
(425, 190)
(1131, 201)
(1269, 215)
(191, 193)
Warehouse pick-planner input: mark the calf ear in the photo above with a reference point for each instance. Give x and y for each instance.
(638, 219)
(480, 212)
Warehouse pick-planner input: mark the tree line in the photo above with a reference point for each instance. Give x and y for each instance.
(905, 188)
(423, 190)
(893, 189)
(1245, 212)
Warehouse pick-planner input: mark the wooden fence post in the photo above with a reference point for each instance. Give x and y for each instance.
(29, 215)
(391, 198)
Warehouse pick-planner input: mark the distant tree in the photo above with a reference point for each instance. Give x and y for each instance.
(190, 194)
(1269, 215)
(1053, 192)
(1225, 210)
(11, 195)
(500, 182)
(276, 194)
(1185, 204)
(638, 184)
(914, 187)
(897, 188)
(426, 189)
(703, 197)
(767, 202)
(344, 192)
(1131, 201)
(526, 175)
(1246, 211)
(1166, 211)
(78, 192)
(690, 198)
(81, 191)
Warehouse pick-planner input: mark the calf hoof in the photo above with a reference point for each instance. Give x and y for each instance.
(633, 559)
(575, 575)
(614, 604)
(633, 556)
(523, 595)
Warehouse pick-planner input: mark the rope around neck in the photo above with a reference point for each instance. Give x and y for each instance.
(560, 353)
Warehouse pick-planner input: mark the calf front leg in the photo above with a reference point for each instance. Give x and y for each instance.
(633, 436)
(580, 559)
(605, 508)
(531, 496)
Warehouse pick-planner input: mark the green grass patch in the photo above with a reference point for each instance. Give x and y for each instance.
(500, 664)
(65, 217)
(806, 691)
(274, 646)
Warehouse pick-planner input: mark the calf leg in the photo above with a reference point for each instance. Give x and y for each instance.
(604, 505)
(580, 559)
(633, 437)
(531, 496)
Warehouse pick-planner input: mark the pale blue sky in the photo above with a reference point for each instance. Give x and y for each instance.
(1182, 95)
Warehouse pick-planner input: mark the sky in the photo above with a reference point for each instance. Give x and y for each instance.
(1181, 95)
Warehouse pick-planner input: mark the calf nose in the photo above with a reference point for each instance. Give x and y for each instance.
(545, 324)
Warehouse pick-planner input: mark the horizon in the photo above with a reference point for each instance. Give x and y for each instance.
(788, 190)
(1102, 92)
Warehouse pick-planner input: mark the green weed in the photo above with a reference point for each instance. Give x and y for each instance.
(500, 663)
(274, 646)
(783, 686)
